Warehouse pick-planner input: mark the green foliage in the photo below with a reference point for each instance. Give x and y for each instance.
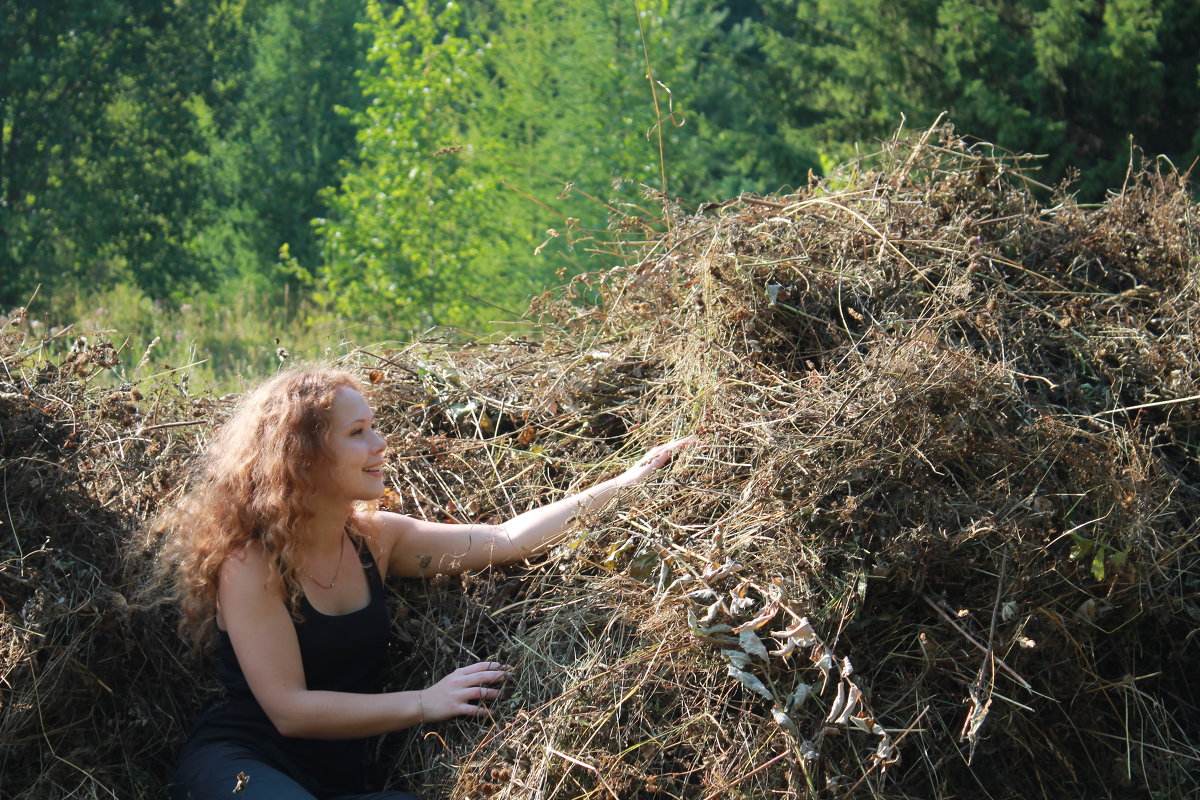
(278, 139)
(459, 157)
(498, 138)
(172, 147)
(409, 221)
(1069, 78)
(95, 186)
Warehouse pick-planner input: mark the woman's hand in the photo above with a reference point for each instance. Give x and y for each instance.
(456, 694)
(655, 458)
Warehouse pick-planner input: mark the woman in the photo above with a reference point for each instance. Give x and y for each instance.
(273, 551)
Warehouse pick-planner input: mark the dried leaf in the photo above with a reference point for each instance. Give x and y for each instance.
(710, 615)
(864, 723)
(823, 660)
(886, 753)
(612, 557)
(1009, 610)
(750, 682)
(754, 646)
(788, 648)
(741, 605)
(784, 721)
(853, 695)
(802, 631)
(798, 696)
(737, 658)
(724, 571)
(766, 615)
(976, 714)
(715, 634)
(839, 703)
(1091, 610)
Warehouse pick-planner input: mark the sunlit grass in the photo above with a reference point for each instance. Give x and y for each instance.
(218, 341)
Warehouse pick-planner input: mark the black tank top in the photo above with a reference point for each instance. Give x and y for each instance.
(343, 653)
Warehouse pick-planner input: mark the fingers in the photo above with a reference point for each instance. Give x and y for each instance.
(674, 445)
(652, 460)
(479, 694)
(483, 672)
(466, 689)
(480, 710)
(483, 666)
(480, 678)
(659, 454)
(471, 688)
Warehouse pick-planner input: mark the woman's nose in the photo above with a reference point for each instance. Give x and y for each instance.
(380, 444)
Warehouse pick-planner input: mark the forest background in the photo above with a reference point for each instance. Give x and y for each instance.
(216, 179)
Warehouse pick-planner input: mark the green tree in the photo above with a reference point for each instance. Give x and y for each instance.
(95, 185)
(174, 147)
(464, 121)
(498, 138)
(1070, 78)
(61, 70)
(413, 212)
(278, 138)
(710, 55)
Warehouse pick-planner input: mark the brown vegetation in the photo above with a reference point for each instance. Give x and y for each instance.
(938, 538)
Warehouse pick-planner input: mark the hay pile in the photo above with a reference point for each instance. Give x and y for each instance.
(938, 538)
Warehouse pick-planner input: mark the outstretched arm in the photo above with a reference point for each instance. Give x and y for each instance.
(418, 547)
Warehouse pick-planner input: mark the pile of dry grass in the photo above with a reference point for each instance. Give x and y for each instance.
(938, 538)
(89, 691)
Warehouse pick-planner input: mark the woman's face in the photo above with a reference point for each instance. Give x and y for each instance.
(355, 450)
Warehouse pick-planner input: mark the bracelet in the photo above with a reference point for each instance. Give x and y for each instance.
(421, 706)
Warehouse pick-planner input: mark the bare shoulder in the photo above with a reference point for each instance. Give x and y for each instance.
(248, 564)
(389, 529)
(245, 585)
(407, 544)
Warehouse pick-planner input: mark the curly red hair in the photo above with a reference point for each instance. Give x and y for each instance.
(253, 483)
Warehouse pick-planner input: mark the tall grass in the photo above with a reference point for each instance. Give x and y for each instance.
(217, 341)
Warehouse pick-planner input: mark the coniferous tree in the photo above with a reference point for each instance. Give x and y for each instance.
(1069, 78)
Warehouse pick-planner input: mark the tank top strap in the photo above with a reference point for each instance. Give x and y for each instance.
(367, 559)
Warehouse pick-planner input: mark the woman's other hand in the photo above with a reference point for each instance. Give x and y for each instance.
(654, 458)
(462, 692)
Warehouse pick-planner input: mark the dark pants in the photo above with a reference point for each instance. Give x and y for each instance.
(210, 772)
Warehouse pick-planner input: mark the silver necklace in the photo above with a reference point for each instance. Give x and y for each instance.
(332, 583)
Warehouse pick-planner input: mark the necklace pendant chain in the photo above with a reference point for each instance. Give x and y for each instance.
(336, 570)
